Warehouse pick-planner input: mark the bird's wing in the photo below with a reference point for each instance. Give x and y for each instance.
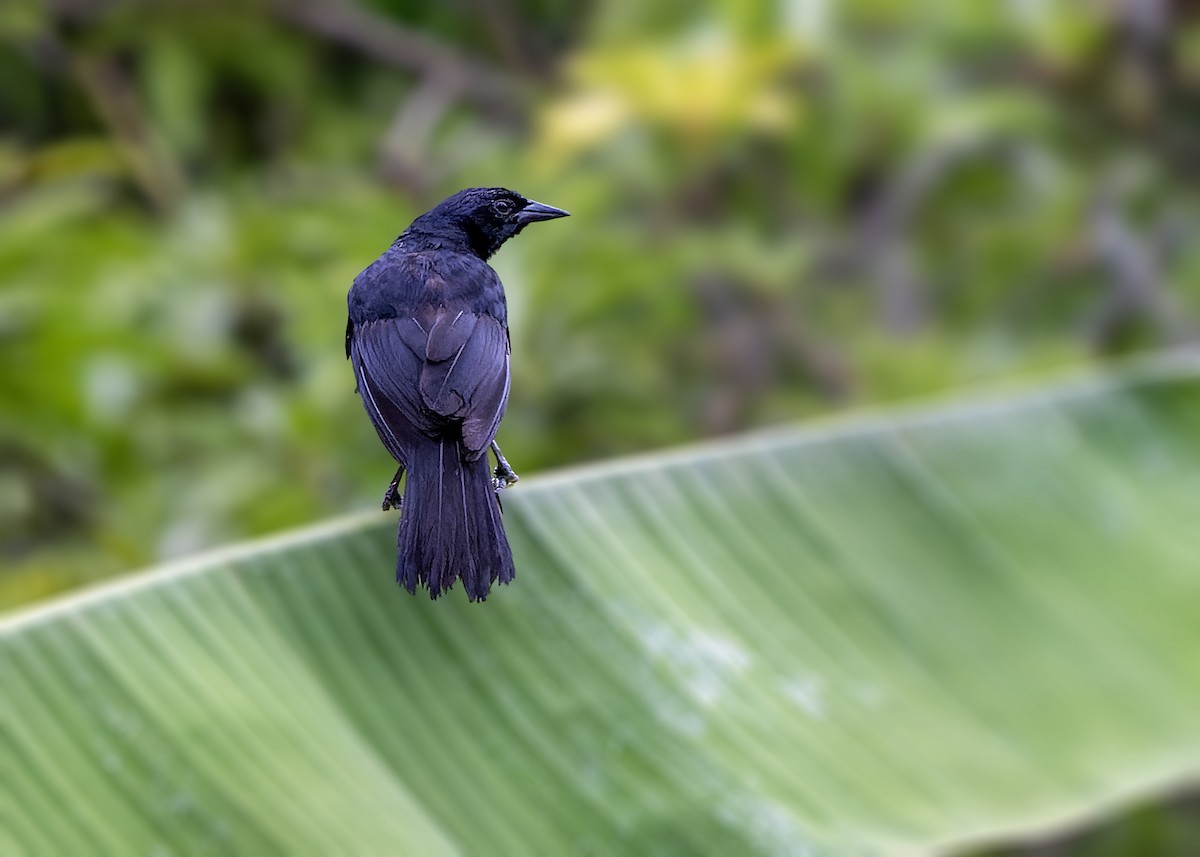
(388, 371)
(435, 367)
(466, 373)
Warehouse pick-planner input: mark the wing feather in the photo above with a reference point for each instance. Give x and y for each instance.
(432, 374)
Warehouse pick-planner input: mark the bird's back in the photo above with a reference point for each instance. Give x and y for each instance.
(405, 281)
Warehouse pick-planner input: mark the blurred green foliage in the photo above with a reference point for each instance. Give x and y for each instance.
(779, 208)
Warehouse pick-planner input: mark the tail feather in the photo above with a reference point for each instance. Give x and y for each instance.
(450, 526)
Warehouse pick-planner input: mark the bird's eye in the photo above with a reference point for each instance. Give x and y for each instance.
(503, 207)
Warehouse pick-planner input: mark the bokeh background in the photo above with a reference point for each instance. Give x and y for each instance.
(780, 208)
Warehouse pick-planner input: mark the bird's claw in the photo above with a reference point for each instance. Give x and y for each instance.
(504, 477)
(392, 498)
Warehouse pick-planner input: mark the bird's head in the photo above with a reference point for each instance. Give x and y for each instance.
(485, 216)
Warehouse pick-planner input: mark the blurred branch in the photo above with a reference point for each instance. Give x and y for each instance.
(879, 244)
(750, 343)
(114, 97)
(116, 102)
(1136, 288)
(504, 26)
(876, 245)
(396, 46)
(403, 152)
(372, 35)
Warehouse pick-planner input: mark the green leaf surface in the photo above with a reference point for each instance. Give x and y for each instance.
(891, 634)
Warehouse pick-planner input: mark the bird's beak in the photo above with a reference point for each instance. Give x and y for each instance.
(536, 211)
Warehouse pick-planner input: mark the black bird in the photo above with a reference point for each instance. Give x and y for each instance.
(428, 338)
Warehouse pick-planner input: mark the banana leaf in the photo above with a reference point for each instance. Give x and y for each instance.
(905, 632)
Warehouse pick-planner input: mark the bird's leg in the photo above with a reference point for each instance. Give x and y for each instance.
(392, 498)
(504, 475)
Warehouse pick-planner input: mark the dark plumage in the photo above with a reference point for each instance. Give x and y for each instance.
(428, 339)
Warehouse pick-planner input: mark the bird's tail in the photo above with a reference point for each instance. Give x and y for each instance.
(450, 524)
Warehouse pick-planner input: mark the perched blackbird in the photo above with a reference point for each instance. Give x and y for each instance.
(428, 338)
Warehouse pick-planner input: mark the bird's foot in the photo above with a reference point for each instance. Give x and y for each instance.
(504, 479)
(392, 498)
(503, 476)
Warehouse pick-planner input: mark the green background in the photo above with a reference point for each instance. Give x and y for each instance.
(780, 210)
